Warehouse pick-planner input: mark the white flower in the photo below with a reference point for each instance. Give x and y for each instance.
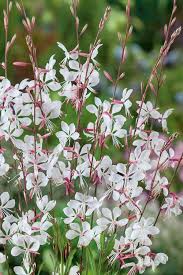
(6, 204)
(25, 270)
(41, 227)
(21, 271)
(34, 183)
(111, 219)
(114, 186)
(157, 184)
(4, 167)
(147, 111)
(130, 175)
(122, 246)
(142, 231)
(160, 258)
(95, 52)
(8, 230)
(47, 111)
(7, 92)
(173, 205)
(82, 171)
(48, 79)
(25, 221)
(164, 119)
(84, 233)
(141, 159)
(68, 132)
(45, 205)
(89, 75)
(10, 130)
(149, 141)
(68, 55)
(125, 99)
(116, 132)
(73, 211)
(74, 270)
(24, 245)
(82, 206)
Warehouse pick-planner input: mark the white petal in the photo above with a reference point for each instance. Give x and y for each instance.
(19, 270)
(92, 109)
(107, 213)
(65, 127)
(4, 197)
(16, 251)
(71, 234)
(116, 212)
(2, 258)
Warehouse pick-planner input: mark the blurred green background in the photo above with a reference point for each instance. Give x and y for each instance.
(54, 23)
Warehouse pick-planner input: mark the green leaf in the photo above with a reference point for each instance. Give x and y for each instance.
(110, 245)
(69, 260)
(40, 268)
(91, 260)
(102, 241)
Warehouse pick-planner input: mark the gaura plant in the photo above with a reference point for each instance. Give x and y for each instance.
(104, 227)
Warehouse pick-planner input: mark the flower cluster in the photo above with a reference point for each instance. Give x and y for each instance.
(106, 200)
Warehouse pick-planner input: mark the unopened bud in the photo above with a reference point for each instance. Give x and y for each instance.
(18, 7)
(21, 64)
(83, 29)
(5, 20)
(13, 40)
(10, 6)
